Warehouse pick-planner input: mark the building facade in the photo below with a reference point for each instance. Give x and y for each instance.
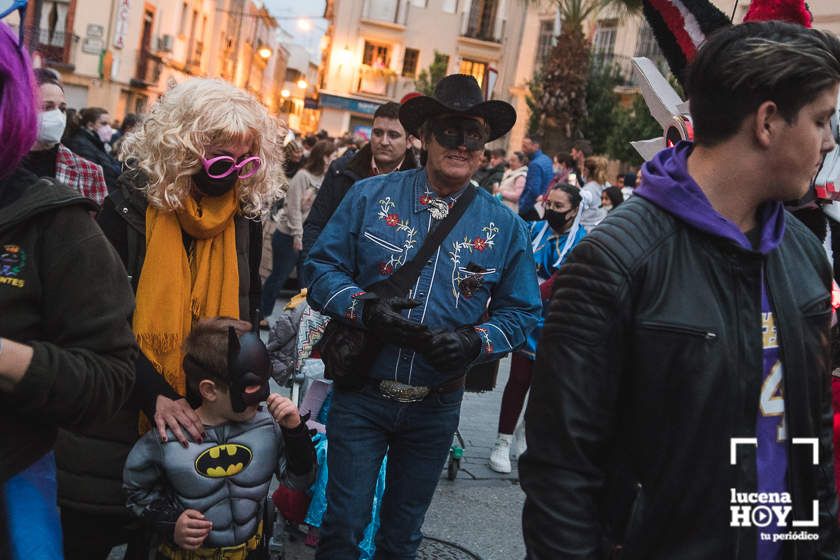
(614, 40)
(123, 54)
(300, 84)
(374, 51)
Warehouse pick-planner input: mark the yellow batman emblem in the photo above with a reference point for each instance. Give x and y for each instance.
(223, 460)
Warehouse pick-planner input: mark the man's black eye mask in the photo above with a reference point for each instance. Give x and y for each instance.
(452, 133)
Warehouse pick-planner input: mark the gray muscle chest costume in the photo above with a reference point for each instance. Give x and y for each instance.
(226, 478)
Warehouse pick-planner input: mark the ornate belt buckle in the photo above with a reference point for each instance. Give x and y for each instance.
(401, 392)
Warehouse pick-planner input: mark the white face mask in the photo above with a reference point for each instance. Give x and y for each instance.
(51, 127)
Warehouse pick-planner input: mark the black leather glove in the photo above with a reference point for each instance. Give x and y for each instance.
(453, 351)
(382, 318)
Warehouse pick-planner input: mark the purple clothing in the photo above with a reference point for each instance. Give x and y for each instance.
(771, 455)
(667, 184)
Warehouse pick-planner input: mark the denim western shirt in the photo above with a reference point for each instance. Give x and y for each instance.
(540, 174)
(382, 223)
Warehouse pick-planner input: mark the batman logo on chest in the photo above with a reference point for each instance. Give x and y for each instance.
(224, 460)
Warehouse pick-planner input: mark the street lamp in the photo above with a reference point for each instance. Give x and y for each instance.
(284, 93)
(344, 56)
(264, 52)
(302, 84)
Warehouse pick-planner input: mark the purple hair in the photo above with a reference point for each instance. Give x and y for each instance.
(18, 102)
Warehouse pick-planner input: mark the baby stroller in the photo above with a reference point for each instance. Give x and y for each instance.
(303, 373)
(290, 350)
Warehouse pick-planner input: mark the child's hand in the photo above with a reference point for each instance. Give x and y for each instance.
(284, 411)
(191, 529)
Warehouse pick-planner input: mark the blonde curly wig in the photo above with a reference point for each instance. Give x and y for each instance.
(193, 116)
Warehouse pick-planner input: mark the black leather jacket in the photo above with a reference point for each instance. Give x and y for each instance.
(650, 361)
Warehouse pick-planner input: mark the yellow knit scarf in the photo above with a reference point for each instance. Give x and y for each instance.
(176, 289)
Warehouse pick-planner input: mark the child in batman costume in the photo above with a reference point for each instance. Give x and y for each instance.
(206, 500)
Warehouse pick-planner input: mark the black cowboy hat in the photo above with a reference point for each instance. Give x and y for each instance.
(458, 94)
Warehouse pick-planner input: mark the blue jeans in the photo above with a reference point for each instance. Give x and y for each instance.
(361, 428)
(29, 523)
(283, 260)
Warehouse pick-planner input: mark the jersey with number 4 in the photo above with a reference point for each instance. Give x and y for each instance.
(771, 456)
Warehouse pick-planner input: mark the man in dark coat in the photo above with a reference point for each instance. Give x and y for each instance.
(387, 151)
(686, 346)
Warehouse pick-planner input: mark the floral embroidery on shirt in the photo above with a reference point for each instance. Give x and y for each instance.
(488, 344)
(350, 314)
(476, 244)
(386, 269)
(392, 219)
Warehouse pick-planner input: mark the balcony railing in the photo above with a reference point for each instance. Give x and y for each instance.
(482, 35)
(624, 66)
(481, 21)
(56, 47)
(194, 62)
(389, 11)
(149, 67)
(376, 81)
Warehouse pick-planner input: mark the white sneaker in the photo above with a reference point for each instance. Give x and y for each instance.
(500, 457)
(519, 444)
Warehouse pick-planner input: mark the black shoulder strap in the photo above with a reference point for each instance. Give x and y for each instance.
(405, 276)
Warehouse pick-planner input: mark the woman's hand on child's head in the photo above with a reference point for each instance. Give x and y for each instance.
(191, 529)
(284, 411)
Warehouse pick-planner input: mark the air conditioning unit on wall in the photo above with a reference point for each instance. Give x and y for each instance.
(166, 43)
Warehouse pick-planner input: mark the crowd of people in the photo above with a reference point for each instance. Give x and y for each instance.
(655, 318)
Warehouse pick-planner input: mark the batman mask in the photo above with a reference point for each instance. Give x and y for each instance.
(248, 368)
(452, 132)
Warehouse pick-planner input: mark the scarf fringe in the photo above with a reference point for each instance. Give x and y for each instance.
(159, 343)
(195, 307)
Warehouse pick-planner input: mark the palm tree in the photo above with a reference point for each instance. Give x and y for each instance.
(563, 78)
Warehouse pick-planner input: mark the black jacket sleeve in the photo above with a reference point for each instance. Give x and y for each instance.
(254, 258)
(149, 385)
(829, 542)
(299, 449)
(83, 370)
(332, 191)
(114, 228)
(570, 419)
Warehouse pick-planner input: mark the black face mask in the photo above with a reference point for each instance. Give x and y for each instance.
(248, 366)
(214, 187)
(557, 220)
(453, 132)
